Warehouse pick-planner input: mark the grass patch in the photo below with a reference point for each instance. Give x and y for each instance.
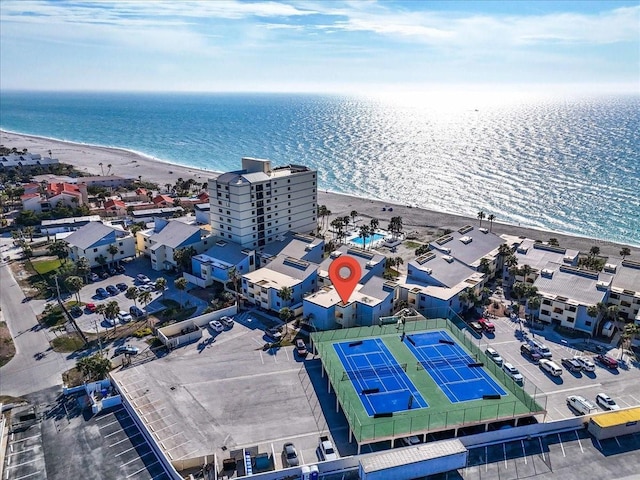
(7, 347)
(67, 343)
(45, 266)
(6, 399)
(170, 303)
(53, 317)
(412, 245)
(72, 377)
(173, 315)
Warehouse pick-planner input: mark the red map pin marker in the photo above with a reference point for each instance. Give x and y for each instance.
(344, 284)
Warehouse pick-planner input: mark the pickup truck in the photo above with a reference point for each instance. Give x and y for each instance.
(327, 452)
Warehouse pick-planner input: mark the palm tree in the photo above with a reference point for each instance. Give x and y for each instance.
(181, 284)
(83, 268)
(395, 226)
(631, 330)
(59, 249)
(363, 233)
(111, 312)
(353, 216)
(232, 275)
(101, 309)
(29, 231)
(483, 267)
(373, 225)
(74, 285)
(101, 168)
(594, 251)
(160, 285)
(533, 303)
(481, 216)
(145, 297)
(554, 242)
(285, 293)
(625, 252)
(398, 261)
(102, 260)
(132, 294)
(109, 169)
(491, 218)
(112, 250)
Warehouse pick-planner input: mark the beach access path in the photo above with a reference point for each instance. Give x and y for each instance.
(427, 223)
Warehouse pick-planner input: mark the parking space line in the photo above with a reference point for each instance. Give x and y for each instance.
(125, 439)
(28, 475)
(146, 467)
(591, 385)
(562, 446)
(112, 433)
(24, 439)
(524, 452)
(541, 448)
(128, 450)
(261, 357)
(579, 442)
(160, 419)
(20, 464)
(150, 452)
(616, 439)
(286, 352)
(504, 451)
(486, 458)
(107, 424)
(635, 400)
(21, 451)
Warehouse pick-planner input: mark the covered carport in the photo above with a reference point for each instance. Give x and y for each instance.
(615, 423)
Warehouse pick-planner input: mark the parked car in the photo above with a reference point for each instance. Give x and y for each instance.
(113, 290)
(513, 372)
(551, 367)
(274, 333)
(91, 307)
(301, 348)
(487, 326)
(571, 364)
(121, 286)
(136, 311)
(290, 455)
(124, 317)
(581, 404)
(494, 355)
(476, 327)
(145, 288)
(606, 402)
(587, 364)
(112, 271)
(408, 441)
(120, 269)
(607, 361)
(104, 275)
(528, 352)
(101, 292)
(227, 321)
(143, 278)
(126, 349)
(216, 325)
(541, 348)
(75, 311)
(94, 277)
(110, 321)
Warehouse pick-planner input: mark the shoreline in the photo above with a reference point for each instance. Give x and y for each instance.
(87, 157)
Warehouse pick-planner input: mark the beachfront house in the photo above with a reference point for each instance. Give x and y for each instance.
(93, 240)
(55, 194)
(369, 301)
(475, 247)
(262, 287)
(63, 225)
(537, 255)
(25, 159)
(567, 292)
(149, 214)
(371, 264)
(214, 264)
(295, 245)
(254, 205)
(160, 242)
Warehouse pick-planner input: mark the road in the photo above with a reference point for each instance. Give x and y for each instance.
(35, 366)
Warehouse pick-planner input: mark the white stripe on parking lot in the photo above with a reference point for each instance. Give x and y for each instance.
(28, 475)
(23, 439)
(591, 385)
(561, 446)
(142, 469)
(21, 451)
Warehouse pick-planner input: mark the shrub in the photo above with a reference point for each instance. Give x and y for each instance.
(143, 332)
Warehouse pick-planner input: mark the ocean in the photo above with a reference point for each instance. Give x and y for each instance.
(565, 163)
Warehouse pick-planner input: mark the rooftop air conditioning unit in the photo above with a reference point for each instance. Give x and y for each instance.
(447, 258)
(483, 230)
(335, 254)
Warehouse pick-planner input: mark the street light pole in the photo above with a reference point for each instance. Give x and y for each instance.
(95, 322)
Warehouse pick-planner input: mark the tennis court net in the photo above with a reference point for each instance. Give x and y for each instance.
(381, 371)
(444, 362)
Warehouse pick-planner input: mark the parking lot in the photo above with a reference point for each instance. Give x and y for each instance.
(619, 383)
(89, 321)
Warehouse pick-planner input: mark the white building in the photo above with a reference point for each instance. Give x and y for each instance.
(93, 241)
(625, 287)
(253, 205)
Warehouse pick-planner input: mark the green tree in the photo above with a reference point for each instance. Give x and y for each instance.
(363, 232)
(594, 251)
(29, 231)
(101, 309)
(132, 294)
(181, 284)
(286, 294)
(95, 367)
(74, 285)
(182, 257)
(395, 226)
(373, 225)
(145, 298)
(533, 304)
(484, 266)
(232, 275)
(554, 242)
(83, 268)
(59, 249)
(160, 285)
(353, 216)
(113, 251)
(625, 252)
(286, 314)
(481, 216)
(111, 312)
(102, 260)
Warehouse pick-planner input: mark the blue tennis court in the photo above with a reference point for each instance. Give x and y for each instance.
(378, 378)
(448, 364)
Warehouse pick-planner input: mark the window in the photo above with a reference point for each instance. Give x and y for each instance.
(220, 210)
(544, 312)
(570, 319)
(120, 244)
(588, 323)
(121, 252)
(95, 249)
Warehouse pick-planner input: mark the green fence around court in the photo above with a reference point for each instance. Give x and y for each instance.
(367, 429)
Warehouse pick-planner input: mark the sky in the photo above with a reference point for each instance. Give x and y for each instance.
(318, 46)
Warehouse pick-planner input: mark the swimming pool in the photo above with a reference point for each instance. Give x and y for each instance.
(370, 240)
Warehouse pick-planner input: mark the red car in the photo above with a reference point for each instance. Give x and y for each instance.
(487, 326)
(91, 307)
(607, 361)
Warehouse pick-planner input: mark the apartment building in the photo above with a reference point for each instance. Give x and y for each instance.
(93, 240)
(253, 205)
(625, 287)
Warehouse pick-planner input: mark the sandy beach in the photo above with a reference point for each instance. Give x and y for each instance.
(426, 223)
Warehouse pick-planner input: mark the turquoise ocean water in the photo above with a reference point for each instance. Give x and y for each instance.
(569, 164)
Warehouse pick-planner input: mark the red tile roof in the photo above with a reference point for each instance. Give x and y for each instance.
(162, 199)
(58, 188)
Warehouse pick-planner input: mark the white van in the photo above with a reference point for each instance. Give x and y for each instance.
(542, 349)
(552, 368)
(581, 404)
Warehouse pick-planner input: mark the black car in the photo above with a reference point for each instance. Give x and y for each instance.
(112, 271)
(75, 311)
(136, 311)
(104, 275)
(120, 269)
(121, 286)
(101, 292)
(112, 289)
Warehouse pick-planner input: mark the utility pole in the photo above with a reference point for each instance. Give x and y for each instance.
(95, 322)
(57, 287)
